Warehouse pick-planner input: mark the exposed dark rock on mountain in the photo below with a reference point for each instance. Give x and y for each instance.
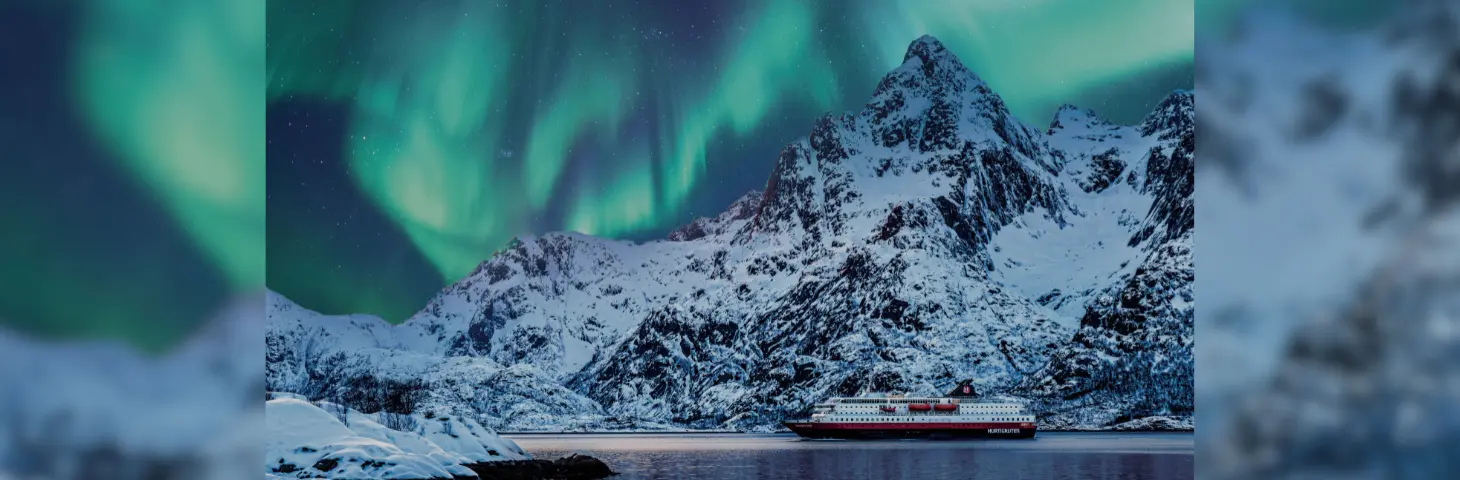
(928, 238)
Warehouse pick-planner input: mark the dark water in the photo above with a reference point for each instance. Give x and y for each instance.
(1054, 456)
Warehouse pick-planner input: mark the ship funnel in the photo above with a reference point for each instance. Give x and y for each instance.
(964, 389)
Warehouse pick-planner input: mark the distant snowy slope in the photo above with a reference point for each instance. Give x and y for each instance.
(1064, 265)
(928, 238)
(1131, 356)
(353, 369)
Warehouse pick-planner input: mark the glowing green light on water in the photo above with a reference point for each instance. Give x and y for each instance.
(173, 88)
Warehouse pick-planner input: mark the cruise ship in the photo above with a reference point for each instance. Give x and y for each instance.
(954, 415)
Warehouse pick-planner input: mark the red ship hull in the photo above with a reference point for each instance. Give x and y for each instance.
(929, 430)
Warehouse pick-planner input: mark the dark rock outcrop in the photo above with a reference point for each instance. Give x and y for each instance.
(573, 467)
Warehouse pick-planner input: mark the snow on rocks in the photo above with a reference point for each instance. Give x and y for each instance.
(930, 237)
(325, 440)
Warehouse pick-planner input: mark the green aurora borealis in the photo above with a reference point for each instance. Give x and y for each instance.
(190, 99)
(466, 123)
(430, 132)
(133, 179)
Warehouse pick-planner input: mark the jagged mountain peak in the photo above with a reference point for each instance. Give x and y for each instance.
(930, 69)
(277, 301)
(1072, 108)
(928, 237)
(742, 209)
(930, 103)
(1172, 118)
(928, 49)
(1074, 115)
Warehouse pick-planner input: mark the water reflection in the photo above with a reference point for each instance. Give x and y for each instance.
(1068, 456)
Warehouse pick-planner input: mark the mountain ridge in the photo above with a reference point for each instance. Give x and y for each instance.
(894, 248)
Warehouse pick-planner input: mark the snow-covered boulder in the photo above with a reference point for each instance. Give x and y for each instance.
(312, 440)
(307, 442)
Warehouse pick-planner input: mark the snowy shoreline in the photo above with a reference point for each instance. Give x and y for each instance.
(326, 440)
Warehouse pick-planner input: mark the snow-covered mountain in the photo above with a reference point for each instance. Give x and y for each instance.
(929, 238)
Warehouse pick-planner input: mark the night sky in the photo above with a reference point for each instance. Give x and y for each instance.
(132, 174)
(132, 169)
(408, 140)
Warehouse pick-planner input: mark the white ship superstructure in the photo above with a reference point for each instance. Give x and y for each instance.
(882, 416)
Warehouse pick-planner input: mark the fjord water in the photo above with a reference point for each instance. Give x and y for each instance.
(1052, 455)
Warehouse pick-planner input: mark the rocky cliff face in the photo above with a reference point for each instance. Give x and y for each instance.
(928, 238)
(1131, 356)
